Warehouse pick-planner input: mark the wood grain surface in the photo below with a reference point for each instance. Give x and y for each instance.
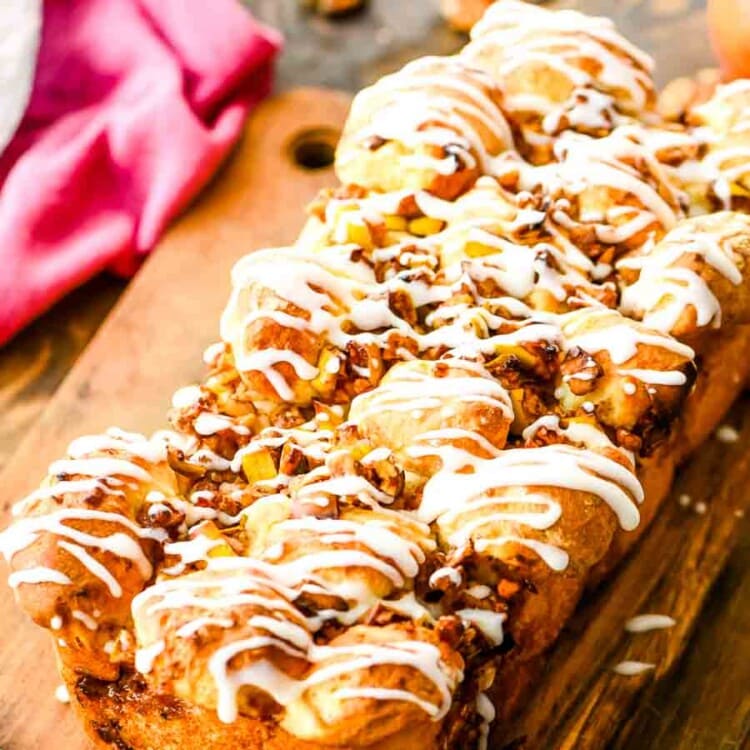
(702, 702)
(581, 704)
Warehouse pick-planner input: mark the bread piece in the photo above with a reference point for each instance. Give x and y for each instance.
(559, 71)
(433, 125)
(721, 179)
(458, 406)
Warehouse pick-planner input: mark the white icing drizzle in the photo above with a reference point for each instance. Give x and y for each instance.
(505, 497)
(62, 695)
(632, 668)
(431, 102)
(185, 397)
(584, 162)
(207, 423)
(38, 574)
(666, 293)
(453, 575)
(212, 352)
(109, 464)
(94, 567)
(595, 331)
(391, 554)
(486, 711)
(99, 467)
(86, 619)
(145, 657)
(726, 116)
(487, 622)
(646, 623)
(515, 35)
(687, 239)
(344, 486)
(479, 591)
(152, 451)
(558, 465)
(27, 530)
(409, 388)
(583, 434)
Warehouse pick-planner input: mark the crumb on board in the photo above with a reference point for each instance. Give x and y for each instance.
(384, 36)
(648, 622)
(333, 7)
(632, 668)
(727, 434)
(684, 500)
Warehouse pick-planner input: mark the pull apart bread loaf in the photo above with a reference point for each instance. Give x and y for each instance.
(457, 405)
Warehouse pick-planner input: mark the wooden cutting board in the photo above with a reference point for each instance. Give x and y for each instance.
(151, 344)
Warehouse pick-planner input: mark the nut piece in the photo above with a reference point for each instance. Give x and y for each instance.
(333, 7)
(682, 94)
(461, 15)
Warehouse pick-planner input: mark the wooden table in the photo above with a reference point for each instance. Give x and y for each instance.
(705, 703)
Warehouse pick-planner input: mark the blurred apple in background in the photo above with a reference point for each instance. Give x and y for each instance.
(729, 29)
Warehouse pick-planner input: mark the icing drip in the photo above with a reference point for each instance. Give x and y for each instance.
(632, 668)
(490, 624)
(38, 575)
(584, 163)
(486, 711)
(552, 466)
(621, 338)
(645, 623)
(415, 389)
(666, 288)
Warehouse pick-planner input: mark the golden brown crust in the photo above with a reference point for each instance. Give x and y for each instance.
(434, 125)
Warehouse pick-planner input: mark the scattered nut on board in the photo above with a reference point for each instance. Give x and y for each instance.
(461, 15)
(333, 7)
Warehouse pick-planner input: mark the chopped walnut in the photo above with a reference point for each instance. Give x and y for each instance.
(333, 7)
(680, 95)
(580, 371)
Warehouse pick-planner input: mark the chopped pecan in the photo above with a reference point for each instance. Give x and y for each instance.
(580, 371)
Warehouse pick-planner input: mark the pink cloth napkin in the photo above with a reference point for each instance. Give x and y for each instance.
(135, 104)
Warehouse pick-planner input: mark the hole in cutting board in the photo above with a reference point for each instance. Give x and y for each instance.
(315, 148)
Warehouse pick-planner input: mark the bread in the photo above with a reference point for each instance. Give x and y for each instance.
(428, 427)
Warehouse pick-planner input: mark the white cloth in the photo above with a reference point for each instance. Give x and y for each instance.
(20, 30)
